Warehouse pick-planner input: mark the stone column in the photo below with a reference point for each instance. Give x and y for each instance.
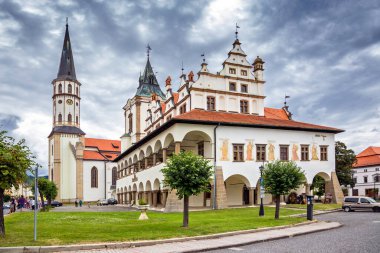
(334, 188)
(150, 198)
(173, 204)
(164, 196)
(138, 166)
(154, 159)
(155, 198)
(307, 188)
(146, 162)
(221, 194)
(177, 147)
(164, 152)
(251, 195)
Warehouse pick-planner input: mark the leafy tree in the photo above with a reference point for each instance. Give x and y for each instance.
(15, 160)
(46, 189)
(189, 174)
(318, 186)
(344, 159)
(280, 178)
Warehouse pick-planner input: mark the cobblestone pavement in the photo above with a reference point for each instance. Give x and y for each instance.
(360, 233)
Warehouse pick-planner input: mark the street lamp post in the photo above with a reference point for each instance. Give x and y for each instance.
(35, 202)
(261, 213)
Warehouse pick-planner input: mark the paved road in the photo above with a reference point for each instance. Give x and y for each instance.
(360, 233)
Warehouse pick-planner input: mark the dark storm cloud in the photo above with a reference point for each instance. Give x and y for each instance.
(324, 54)
(8, 122)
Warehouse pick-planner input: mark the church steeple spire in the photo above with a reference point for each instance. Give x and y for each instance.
(66, 69)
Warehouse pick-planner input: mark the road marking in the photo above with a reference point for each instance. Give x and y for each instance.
(376, 221)
(236, 249)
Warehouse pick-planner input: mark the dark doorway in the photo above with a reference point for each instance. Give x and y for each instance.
(245, 195)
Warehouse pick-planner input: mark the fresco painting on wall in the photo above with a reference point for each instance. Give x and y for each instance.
(271, 152)
(224, 150)
(295, 153)
(249, 151)
(314, 153)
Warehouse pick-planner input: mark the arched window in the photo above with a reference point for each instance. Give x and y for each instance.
(77, 91)
(76, 119)
(59, 117)
(60, 88)
(70, 89)
(69, 118)
(94, 177)
(114, 175)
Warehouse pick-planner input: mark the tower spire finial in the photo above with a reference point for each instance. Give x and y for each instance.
(67, 21)
(182, 69)
(236, 31)
(286, 96)
(148, 49)
(204, 57)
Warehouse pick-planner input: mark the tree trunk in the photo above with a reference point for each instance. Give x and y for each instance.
(49, 201)
(277, 214)
(185, 211)
(42, 200)
(2, 226)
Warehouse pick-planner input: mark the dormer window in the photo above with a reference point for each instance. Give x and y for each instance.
(244, 88)
(233, 71)
(232, 86)
(211, 103)
(243, 106)
(243, 72)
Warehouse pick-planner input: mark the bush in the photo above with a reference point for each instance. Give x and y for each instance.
(142, 202)
(7, 198)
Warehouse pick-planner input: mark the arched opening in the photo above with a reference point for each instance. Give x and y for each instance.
(77, 91)
(60, 88)
(197, 142)
(114, 176)
(70, 89)
(69, 118)
(319, 187)
(158, 152)
(141, 191)
(237, 189)
(59, 118)
(94, 177)
(76, 119)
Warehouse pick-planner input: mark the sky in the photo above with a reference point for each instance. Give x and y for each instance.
(325, 55)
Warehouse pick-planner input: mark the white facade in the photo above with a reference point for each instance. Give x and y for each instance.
(366, 179)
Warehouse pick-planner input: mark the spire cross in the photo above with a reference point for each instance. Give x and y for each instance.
(148, 49)
(182, 69)
(236, 31)
(204, 57)
(286, 96)
(67, 21)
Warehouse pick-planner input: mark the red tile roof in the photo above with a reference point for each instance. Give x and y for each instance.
(274, 113)
(163, 106)
(103, 144)
(368, 157)
(93, 155)
(175, 97)
(251, 120)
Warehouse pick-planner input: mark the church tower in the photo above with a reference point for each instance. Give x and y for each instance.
(66, 140)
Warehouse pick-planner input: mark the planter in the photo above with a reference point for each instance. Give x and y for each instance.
(143, 215)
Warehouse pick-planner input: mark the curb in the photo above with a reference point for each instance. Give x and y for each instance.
(77, 247)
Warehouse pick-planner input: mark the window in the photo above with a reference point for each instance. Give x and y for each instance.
(77, 91)
(59, 101)
(260, 152)
(304, 152)
(76, 119)
(355, 192)
(52, 150)
(355, 180)
(238, 150)
(182, 109)
(201, 148)
(232, 86)
(243, 106)
(94, 177)
(70, 89)
(69, 118)
(363, 200)
(169, 117)
(365, 170)
(284, 152)
(376, 178)
(351, 200)
(130, 123)
(243, 72)
(59, 117)
(377, 169)
(60, 88)
(232, 71)
(244, 88)
(323, 150)
(114, 176)
(210, 103)
(365, 178)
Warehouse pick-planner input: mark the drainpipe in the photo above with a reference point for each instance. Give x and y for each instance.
(214, 195)
(105, 179)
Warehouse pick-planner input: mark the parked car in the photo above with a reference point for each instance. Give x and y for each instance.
(112, 201)
(102, 202)
(56, 203)
(352, 203)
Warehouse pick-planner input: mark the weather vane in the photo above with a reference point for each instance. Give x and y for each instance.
(182, 69)
(236, 32)
(286, 96)
(204, 57)
(148, 49)
(67, 21)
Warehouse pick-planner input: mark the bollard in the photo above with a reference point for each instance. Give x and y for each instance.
(309, 207)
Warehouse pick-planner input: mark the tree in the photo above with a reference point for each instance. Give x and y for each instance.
(15, 160)
(318, 186)
(344, 159)
(280, 178)
(189, 174)
(47, 189)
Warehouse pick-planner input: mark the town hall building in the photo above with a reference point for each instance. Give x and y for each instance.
(220, 116)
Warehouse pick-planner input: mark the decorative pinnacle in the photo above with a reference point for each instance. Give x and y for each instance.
(204, 57)
(148, 49)
(236, 31)
(182, 69)
(285, 99)
(67, 21)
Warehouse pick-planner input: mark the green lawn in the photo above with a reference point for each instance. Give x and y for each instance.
(317, 206)
(84, 227)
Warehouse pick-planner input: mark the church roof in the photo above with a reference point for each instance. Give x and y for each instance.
(368, 157)
(148, 83)
(67, 130)
(66, 67)
(105, 150)
(275, 113)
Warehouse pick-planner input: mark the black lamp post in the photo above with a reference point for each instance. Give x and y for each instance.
(261, 213)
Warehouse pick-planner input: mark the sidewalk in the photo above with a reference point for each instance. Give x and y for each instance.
(193, 244)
